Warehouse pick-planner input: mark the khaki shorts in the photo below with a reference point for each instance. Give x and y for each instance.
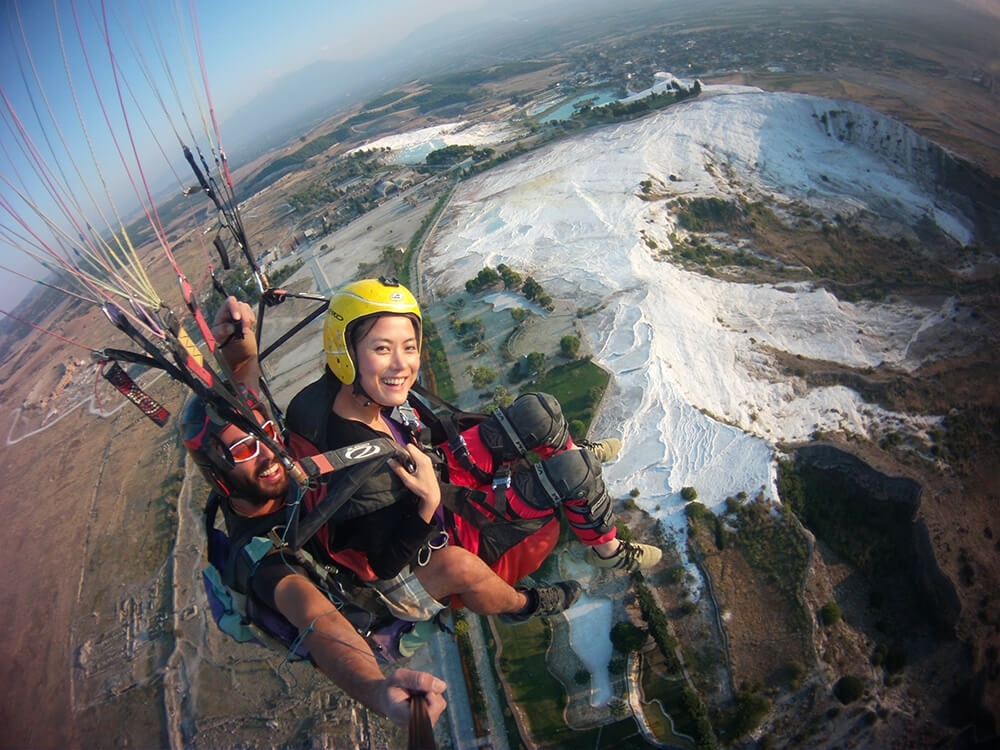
(405, 597)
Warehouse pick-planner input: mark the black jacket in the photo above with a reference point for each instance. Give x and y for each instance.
(381, 518)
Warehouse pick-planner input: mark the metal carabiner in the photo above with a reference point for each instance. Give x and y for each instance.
(439, 542)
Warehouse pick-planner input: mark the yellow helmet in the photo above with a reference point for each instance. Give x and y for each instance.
(357, 300)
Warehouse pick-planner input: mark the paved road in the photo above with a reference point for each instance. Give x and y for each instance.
(446, 664)
(492, 691)
(442, 658)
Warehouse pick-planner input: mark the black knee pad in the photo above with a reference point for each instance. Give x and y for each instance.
(573, 475)
(533, 420)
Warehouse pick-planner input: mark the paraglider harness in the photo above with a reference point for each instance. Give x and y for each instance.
(434, 423)
(499, 526)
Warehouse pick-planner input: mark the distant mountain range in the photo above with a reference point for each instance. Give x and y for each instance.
(459, 41)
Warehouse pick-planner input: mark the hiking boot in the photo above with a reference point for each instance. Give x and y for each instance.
(548, 600)
(630, 556)
(604, 450)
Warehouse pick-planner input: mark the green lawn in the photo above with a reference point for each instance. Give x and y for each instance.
(535, 691)
(542, 698)
(573, 384)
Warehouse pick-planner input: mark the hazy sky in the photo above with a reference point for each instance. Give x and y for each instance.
(83, 111)
(251, 43)
(47, 157)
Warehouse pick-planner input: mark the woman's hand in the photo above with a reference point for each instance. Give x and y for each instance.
(421, 481)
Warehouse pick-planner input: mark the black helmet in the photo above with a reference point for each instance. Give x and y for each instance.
(201, 425)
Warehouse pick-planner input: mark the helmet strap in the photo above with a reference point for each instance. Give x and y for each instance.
(360, 392)
(220, 484)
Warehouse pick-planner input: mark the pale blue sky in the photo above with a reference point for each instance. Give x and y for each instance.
(256, 42)
(247, 46)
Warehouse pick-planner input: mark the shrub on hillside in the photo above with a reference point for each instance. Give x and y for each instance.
(751, 710)
(848, 689)
(829, 614)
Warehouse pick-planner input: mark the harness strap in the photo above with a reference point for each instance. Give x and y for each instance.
(339, 492)
(302, 530)
(500, 417)
(211, 511)
(350, 455)
(473, 505)
(460, 450)
(407, 416)
(121, 380)
(499, 481)
(468, 504)
(547, 486)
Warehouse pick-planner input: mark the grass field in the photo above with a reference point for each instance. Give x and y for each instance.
(579, 385)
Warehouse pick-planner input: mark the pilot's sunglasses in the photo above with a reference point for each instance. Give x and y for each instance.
(246, 449)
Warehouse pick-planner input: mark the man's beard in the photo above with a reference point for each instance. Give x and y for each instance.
(250, 490)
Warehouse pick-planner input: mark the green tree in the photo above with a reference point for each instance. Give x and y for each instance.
(531, 288)
(689, 494)
(751, 710)
(694, 510)
(485, 278)
(511, 278)
(569, 345)
(594, 395)
(451, 155)
(618, 664)
(620, 708)
(626, 637)
(483, 376)
(536, 362)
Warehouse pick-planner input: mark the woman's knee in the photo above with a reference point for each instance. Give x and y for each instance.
(571, 478)
(534, 420)
(570, 475)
